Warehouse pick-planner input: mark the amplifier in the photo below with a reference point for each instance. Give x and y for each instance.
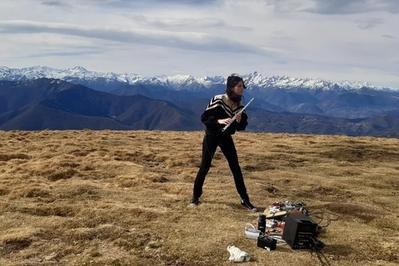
(299, 231)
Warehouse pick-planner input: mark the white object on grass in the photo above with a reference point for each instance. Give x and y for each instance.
(237, 255)
(251, 232)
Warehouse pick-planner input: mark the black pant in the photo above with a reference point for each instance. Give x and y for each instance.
(209, 145)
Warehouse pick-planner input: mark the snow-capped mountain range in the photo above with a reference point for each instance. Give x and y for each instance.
(43, 97)
(179, 81)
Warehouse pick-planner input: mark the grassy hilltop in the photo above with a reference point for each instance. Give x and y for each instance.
(120, 197)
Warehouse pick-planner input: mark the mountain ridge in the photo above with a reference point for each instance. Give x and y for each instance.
(76, 106)
(55, 104)
(182, 81)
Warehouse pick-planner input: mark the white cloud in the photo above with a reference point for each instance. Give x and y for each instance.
(335, 40)
(184, 40)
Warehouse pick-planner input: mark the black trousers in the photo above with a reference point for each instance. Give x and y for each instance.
(226, 144)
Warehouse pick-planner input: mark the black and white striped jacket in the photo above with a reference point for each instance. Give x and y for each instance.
(216, 109)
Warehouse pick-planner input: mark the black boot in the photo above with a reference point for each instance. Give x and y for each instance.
(195, 201)
(247, 205)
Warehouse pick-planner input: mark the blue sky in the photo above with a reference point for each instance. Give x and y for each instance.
(329, 39)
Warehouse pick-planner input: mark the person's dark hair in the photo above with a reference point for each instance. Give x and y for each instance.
(232, 81)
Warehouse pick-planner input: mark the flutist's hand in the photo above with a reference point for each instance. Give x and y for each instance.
(224, 121)
(238, 117)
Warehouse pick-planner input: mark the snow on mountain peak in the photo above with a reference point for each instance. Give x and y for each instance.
(78, 69)
(178, 81)
(283, 81)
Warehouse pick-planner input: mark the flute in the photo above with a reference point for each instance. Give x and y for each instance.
(235, 116)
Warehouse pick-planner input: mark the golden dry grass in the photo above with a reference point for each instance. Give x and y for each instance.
(120, 197)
